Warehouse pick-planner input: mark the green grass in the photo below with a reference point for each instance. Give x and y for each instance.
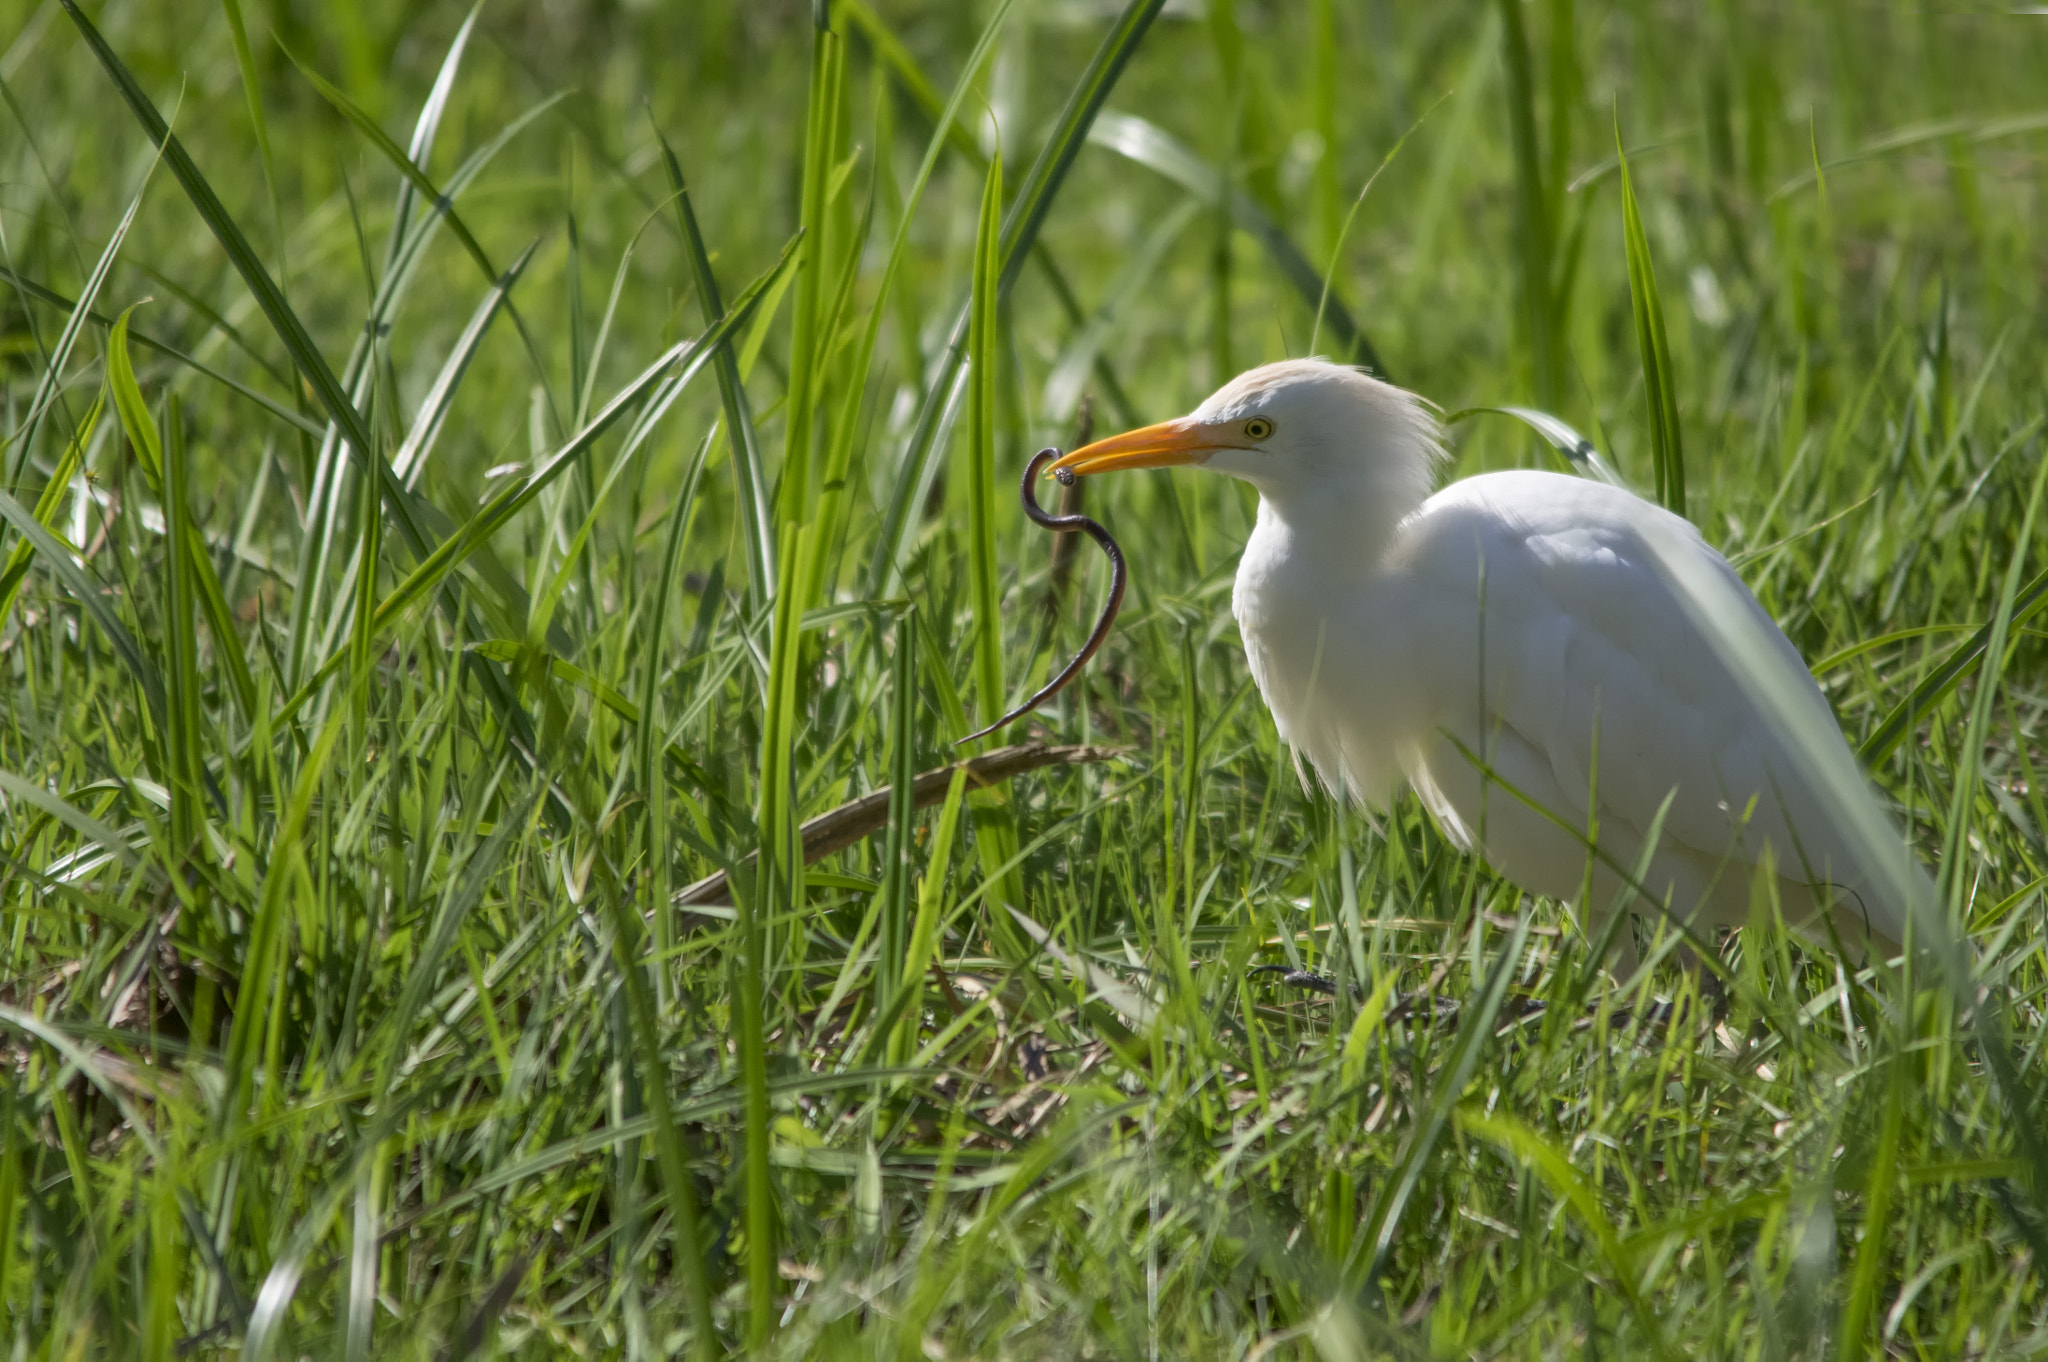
(401, 605)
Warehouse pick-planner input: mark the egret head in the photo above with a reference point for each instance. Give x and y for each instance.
(1298, 428)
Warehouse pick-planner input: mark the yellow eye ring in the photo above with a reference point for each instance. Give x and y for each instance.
(1258, 428)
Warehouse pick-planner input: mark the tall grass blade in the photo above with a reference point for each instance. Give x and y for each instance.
(1339, 234)
(181, 677)
(187, 542)
(1861, 1306)
(52, 380)
(411, 456)
(890, 962)
(259, 124)
(1041, 184)
(1535, 229)
(362, 619)
(674, 370)
(417, 181)
(839, 421)
(252, 89)
(983, 345)
(1580, 454)
(262, 941)
(779, 887)
(428, 125)
(750, 483)
(648, 754)
(1027, 213)
(1660, 391)
(327, 390)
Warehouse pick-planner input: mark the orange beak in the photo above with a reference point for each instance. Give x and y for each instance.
(1179, 441)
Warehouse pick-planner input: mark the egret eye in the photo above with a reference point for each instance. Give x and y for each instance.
(1258, 428)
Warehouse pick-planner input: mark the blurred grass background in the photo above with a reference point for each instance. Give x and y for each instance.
(346, 1007)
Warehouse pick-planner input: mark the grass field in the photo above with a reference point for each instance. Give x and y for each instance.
(434, 539)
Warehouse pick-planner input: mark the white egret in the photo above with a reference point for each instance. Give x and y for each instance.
(1487, 643)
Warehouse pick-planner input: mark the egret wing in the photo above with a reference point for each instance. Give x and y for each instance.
(1545, 641)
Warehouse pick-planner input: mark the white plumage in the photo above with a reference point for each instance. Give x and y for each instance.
(1486, 642)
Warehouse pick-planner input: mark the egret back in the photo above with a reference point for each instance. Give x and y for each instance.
(1522, 656)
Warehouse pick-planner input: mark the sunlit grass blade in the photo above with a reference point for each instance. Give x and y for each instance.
(838, 420)
(1535, 228)
(978, 453)
(262, 939)
(412, 455)
(1579, 452)
(416, 179)
(361, 604)
(181, 678)
(1860, 1308)
(188, 544)
(653, 655)
(252, 89)
(896, 866)
(1343, 231)
(267, 1319)
(428, 125)
(259, 124)
(1660, 390)
(778, 884)
(52, 381)
(68, 814)
(749, 483)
